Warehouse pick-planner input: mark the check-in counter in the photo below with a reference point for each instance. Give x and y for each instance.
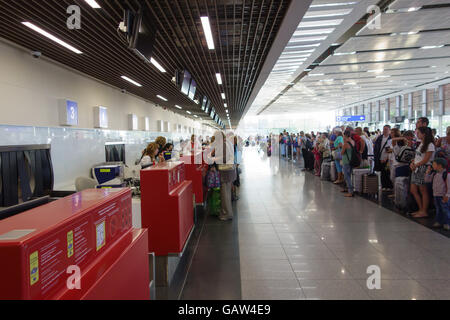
(167, 211)
(196, 170)
(86, 238)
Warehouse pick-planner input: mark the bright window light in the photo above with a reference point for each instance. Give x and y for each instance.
(316, 74)
(51, 37)
(93, 4)
(304, 46)
(387, 76)
(157, 65)
(313, 32)
(219, 78)
(178, 107)
(376, 70)
(208, 33)
(131, 81)
(282, 58)
(320, 23)
(223, 96)
(162, 98)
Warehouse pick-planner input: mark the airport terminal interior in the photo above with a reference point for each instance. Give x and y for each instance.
(225, 150)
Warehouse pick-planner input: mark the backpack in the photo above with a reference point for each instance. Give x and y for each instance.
(309, 145)
(406, 155)
(355, 160)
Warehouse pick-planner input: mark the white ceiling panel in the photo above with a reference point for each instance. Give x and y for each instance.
(429, 19)
(383, 42)
(414, 64)
(407, 54)
(403, 4)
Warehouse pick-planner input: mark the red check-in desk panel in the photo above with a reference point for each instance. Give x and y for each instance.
(196, 170)
(37, 247)
(166, 207)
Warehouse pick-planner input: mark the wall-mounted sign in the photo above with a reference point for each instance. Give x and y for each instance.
(350, 118)
(101, 117)
(68, 113)
(160, 125)
(133, 122)
(147, 123)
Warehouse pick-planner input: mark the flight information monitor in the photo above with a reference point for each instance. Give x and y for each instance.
(192, 89)
(186, 82)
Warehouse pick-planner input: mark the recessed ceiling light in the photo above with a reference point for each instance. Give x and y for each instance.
(195, 116)
(177, 106)
(320, 23)
(307, 39)
(313, 32)
(376, 70)
(188, 112)
(413, 9)
(51, 37)
(333, 4)
(157, 65)
(387, 76)
(344, 53)
(327, 13)
(93, 4)
(223, 96)
(225, 105)
(208, 33)
(288, 57)
(131, 81)
(431, 47)
(219, 78)
(316, 74)
(162, 98)
(303, 46)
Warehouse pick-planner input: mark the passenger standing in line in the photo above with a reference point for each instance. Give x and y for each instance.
(347, 150)
(441, 192)
(424, 157)
(443, 145)
(382, 145)
(393, 163)
(338, 144)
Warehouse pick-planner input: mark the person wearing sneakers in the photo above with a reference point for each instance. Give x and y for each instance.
(441, 192)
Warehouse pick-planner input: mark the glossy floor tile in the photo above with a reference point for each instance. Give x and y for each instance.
(295, 237)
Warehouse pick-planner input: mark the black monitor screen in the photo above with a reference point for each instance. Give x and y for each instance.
(208, 107)
(186, 82)
(204, 102)
(192, 89)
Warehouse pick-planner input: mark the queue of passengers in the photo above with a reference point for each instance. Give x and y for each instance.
(419, 157)
(223, 153)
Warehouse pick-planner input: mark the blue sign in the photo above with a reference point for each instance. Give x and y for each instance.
(72, 113)
(351, 118)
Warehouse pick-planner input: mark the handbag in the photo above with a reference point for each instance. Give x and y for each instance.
(337, 155)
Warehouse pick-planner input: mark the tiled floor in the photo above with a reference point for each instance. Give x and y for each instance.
(296, 237)
(299, 238)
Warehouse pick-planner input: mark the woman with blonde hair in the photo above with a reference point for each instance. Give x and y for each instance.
(150, 155)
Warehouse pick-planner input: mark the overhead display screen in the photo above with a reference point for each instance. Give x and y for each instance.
(192, 89)
(186, 82)
(204, 103)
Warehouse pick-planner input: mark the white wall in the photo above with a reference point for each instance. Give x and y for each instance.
(29, 94)
(30, 89)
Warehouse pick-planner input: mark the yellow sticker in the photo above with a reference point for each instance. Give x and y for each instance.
(105, 170)
(69, 244)
(34, 267)
(106, 187)
(101, 235)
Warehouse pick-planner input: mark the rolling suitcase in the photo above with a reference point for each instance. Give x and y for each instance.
(326, 171)
(333, 171)
(371, 183)
(401, 192)
(357, 177)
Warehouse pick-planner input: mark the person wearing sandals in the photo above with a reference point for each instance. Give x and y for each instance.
(347, 149)
(424, 157)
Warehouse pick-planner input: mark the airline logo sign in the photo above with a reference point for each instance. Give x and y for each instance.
(350, 118)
